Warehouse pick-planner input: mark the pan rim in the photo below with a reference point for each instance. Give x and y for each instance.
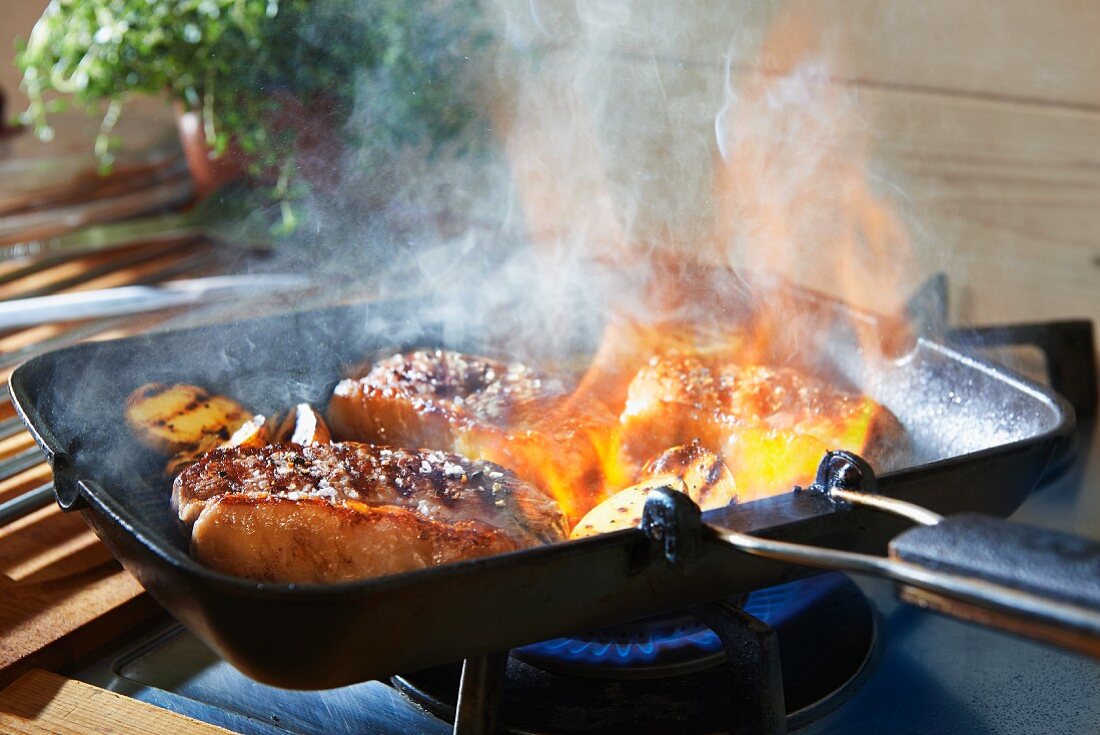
(107, 505)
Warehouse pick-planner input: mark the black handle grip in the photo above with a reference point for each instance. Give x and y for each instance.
(1037, 583)
(1052, 564)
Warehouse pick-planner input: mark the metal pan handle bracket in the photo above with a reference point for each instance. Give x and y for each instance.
(671, 519)
(1068, 348)
(1033, 582)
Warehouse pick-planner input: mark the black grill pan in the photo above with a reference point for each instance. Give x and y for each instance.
(982, 438)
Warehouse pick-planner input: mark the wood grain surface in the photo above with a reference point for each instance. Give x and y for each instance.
(41, 703)
(62, 595)
(984, 117)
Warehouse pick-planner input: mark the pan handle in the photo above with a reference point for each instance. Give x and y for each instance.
(1034, 582)
(1068, 349)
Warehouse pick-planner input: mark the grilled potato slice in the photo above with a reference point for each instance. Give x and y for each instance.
(706, 478)
(623, 509)
(182, 419)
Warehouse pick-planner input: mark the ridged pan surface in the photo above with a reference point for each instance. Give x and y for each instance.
(982, 438)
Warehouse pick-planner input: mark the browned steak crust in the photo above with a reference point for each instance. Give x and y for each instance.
(678, 398)
(428, 398)
(480, 407)
(435, 506)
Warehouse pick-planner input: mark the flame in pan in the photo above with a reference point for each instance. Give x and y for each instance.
(793, 189)
(792, 196)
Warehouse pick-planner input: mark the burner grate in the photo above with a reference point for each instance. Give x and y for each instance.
(819, 672)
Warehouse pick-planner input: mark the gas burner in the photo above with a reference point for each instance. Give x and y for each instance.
(667, 645)
(670, 673)
(655, 648)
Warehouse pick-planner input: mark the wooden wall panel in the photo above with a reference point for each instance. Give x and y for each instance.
(984, 117)
(17, 17)
(1004, 196)
(1018, 49)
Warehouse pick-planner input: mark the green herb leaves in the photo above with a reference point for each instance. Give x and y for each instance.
(239, 62)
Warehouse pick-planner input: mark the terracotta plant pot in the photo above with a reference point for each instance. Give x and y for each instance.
(316, 146)
(209, 171)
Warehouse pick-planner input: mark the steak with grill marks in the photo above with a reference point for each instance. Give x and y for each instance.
(476, 406)
(334, 512)
(767, 423)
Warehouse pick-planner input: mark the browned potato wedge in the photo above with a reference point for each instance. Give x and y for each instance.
(182, 419)
(303, 425)
(253, 433)
(693, 470)
(707, 480)
(623, 509)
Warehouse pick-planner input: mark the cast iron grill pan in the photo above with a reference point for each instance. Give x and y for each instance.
(982, 438)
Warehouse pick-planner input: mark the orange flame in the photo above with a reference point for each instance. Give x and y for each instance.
(769, 426)
(793, 189)
(792, 196)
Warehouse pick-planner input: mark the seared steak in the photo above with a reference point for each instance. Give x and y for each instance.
(770, 425)
(479, 407)
(333, 512)
(432, 398)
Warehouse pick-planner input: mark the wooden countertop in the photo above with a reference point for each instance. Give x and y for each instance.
(41, 703)
(61, 592)
(62, 595)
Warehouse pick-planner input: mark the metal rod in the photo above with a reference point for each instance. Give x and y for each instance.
(26, 503)
(98, 326)
(479, 693)
(913, 512)
(139, 299)
(13, 465)
(753, 669)
(966, 589)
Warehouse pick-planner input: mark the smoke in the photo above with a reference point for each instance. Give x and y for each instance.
(522, 170)
(529, 166)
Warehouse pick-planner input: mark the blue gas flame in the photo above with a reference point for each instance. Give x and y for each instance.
(636, 644)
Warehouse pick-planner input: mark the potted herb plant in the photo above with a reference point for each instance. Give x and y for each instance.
(256, 82)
